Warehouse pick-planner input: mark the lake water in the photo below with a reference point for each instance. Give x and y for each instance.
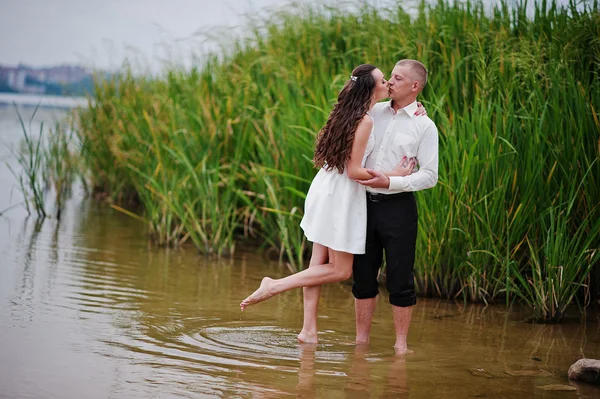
(88, 309)
(33, 100)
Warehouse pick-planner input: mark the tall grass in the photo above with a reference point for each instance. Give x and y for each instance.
(221, 153)
(49, 162)
(30, 160)
(61, 164)
(560, 267)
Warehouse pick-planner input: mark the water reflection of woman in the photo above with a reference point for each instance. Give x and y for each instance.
(335, 207)
(306, 373)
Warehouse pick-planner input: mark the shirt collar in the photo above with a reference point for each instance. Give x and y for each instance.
(410, 109)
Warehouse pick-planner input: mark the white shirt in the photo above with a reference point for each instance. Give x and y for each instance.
(399, 134)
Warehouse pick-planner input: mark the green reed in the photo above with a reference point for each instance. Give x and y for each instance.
(30, 159)
(560, 268)
(221, 153)
(61, 163)
(49, 162)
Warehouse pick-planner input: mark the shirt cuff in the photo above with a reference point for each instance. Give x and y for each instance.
(396, 182)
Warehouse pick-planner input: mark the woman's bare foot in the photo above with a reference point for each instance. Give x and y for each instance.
(307, 338)
(262, 293)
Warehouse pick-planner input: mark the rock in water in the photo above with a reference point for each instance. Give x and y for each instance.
(557, 388)
(478, 372)
(587, 370)
(529, 373)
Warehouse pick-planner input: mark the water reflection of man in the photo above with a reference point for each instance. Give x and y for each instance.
(391, 207)
(359, 374)
(396, 385)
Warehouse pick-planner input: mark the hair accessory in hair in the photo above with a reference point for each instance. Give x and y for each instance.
(353, 78)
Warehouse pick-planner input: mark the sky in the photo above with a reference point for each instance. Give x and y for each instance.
(100, 34)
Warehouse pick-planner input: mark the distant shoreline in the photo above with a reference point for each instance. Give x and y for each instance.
(45, 101)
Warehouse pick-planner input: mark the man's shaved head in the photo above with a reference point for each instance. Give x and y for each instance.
(417, 70)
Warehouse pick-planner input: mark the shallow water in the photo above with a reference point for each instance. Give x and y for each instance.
(89, 310)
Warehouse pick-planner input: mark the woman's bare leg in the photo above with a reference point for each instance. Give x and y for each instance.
(339, 269)
(308, 335)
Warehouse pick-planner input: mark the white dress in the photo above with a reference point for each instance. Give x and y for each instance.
(335, 210)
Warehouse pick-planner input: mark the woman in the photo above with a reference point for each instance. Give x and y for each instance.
(335, 211)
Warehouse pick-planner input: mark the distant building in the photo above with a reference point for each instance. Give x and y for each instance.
(38, 74)
(19, 81)
(9, 75)
(66, 74)
(34, 89)
(25, 79)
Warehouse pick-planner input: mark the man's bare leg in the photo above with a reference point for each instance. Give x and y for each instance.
(402, 317)
(311, 297)
(364, 309)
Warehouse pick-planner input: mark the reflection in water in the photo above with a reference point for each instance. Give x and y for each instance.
(363, 380)
(306, 373)
(22, 304)
(88, 310)
(396, 385)
(366, 373)
(359, 384)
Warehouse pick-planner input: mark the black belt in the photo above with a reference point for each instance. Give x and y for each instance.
(377, 197)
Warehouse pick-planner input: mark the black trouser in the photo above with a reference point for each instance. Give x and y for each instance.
(391, 226)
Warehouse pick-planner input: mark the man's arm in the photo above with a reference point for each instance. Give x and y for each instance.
(427, 156)
(425, 177)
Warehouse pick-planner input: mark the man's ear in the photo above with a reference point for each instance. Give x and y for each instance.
(415, 85)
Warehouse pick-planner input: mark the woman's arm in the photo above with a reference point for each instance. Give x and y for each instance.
(361, 138)
(405, 167)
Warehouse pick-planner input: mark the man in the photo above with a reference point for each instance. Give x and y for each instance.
(391, 207)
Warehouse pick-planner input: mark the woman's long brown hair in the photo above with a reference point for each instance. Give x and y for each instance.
(334, 141)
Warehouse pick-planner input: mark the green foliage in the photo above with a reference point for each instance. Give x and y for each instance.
(61, 163)
(49, 161)
(31, 160)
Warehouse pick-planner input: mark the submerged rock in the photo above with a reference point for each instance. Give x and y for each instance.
(587, 370)
(477, 372)
(557, 387)
(529, 373)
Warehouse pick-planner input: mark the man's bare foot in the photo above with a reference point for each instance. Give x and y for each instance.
(307, 338)
(403, 350)
(262, 293)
